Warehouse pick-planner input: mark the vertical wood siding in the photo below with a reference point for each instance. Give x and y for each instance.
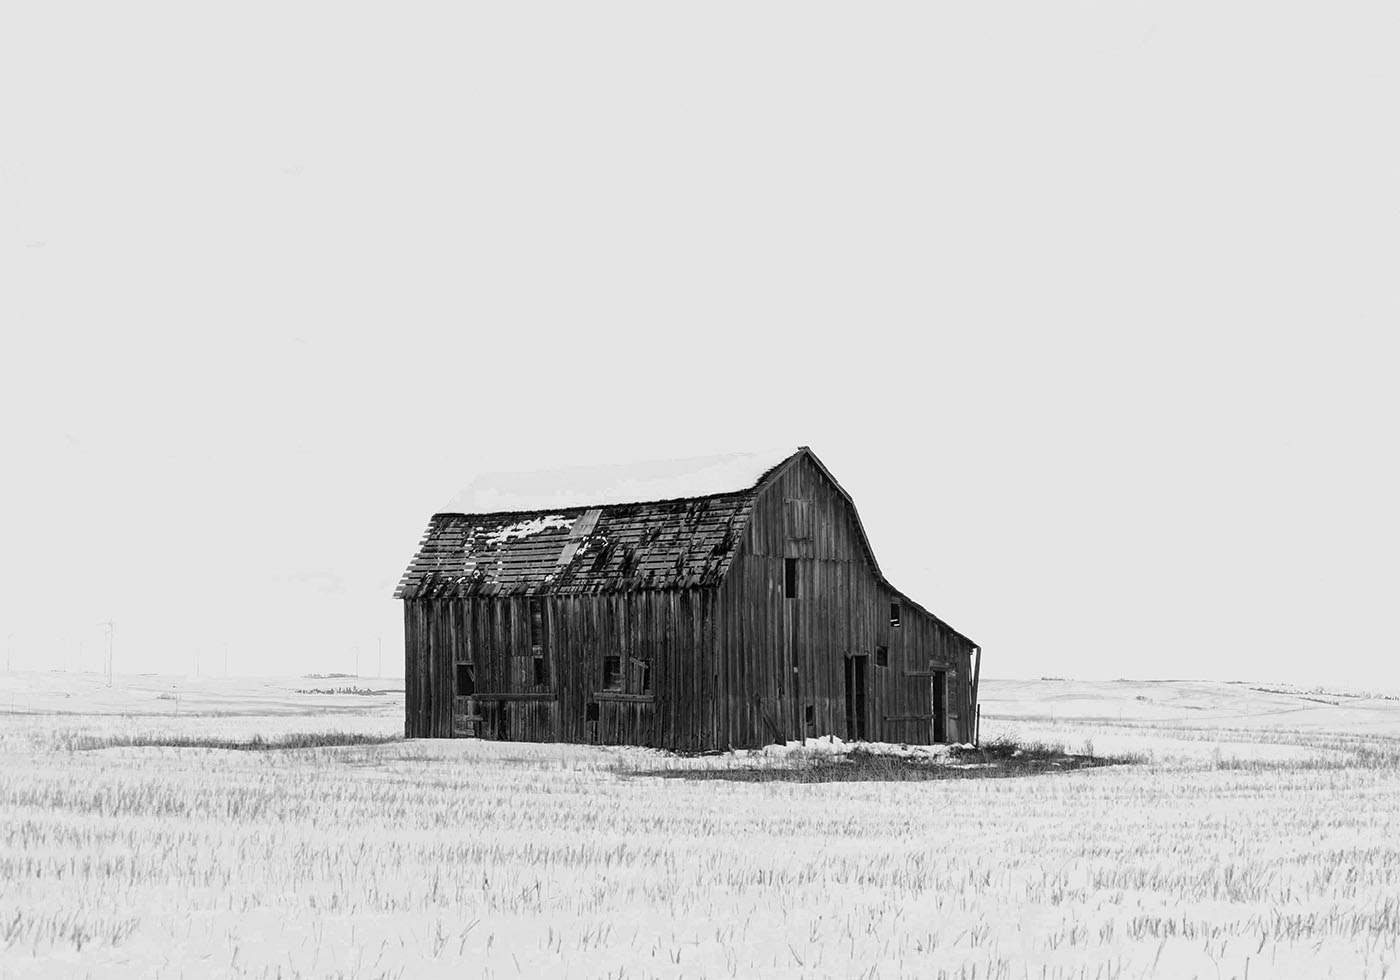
(667, 628)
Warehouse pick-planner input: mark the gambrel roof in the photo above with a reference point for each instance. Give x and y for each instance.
(594, 539)
(665, 525)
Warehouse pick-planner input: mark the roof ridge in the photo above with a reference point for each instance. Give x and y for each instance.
(642, 482)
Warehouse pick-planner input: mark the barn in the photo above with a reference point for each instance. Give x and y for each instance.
(691, 605)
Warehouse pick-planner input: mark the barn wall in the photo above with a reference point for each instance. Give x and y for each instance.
(775, 655)
(671, 629)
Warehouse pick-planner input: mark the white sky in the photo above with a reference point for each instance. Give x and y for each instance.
(1091, 306)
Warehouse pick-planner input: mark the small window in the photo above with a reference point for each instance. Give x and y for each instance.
(505, 621)
(882, 656)
(894, 614)
(540, 674)
(612, 673)
(641, 676)
(590, 711)
(466, 680)
(789, 578)
(537, 624)
(809, 715)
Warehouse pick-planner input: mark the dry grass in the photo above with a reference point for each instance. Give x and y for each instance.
(417, 859)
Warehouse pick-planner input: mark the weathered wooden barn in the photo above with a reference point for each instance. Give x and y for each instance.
(746, 609)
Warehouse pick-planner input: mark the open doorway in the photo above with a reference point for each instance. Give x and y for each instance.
(939, 694)
(855, 697)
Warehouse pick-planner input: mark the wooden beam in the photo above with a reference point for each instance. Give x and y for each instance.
(517, 696)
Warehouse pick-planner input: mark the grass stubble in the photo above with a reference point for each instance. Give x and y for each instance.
(337, 855)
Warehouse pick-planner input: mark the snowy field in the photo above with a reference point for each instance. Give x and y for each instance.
(1259, 838)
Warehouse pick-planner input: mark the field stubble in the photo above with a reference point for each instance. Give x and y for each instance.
(422, 859)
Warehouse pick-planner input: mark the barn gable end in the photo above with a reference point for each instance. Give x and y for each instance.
(808, 639)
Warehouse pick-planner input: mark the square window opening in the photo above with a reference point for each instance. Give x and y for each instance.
(809, 715)
(466, 680)
(612, 673)
(642, 675)
(539, 675)
(882, 656)
(590, 711)
(789, 578)
(894, 614)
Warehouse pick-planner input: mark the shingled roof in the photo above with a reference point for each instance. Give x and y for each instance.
(594, 544)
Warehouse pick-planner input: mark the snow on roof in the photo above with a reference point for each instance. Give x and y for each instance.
(594, 486)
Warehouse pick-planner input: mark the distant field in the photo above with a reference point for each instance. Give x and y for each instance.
(1261, 839)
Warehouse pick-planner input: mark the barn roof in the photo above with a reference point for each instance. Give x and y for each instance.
(670, 524)
(616, 483)
(666, 524)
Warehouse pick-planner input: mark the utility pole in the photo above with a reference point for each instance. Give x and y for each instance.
(380, 641)
(9, 649)
(225, 659)
(111, 630)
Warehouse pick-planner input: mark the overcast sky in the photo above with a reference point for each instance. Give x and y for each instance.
(1091, 306)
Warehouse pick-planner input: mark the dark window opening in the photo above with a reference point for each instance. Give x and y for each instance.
(612, 673)
(466, 680)
(540, 674)
(789, 578)
(590, 711)
(505, 621)
(882, 656)
(642, 676)
(809, 715)
(894, 614)
(537, 624)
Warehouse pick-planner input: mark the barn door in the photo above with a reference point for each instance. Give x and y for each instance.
(855, 698)
(938, 694)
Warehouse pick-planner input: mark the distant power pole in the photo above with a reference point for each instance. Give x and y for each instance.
(380, 641)
(111, 630)
(225, 659)
(9, 649)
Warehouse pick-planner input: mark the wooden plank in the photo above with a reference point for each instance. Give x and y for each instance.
(517, 696)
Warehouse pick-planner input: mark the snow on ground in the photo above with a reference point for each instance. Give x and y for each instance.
(1184, 719)
(832, 745)
(467, 858)
(39, 704)
(593, 486)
